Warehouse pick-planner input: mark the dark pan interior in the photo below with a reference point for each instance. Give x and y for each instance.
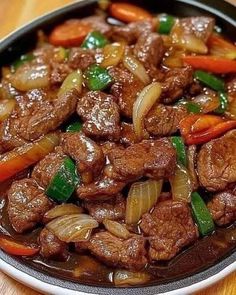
(25, 38)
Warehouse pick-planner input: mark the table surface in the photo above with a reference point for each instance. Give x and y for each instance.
(10, 20)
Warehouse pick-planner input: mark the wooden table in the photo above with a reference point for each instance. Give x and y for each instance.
(14, 13)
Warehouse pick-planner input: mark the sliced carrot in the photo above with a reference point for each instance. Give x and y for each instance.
(221, 47)
(12, 247)
(128, 12)
(71, 33)
(205, 122)
(214, 64)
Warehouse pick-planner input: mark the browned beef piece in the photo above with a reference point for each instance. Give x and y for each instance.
(102, 189)
(175, 83)
(231, 86)
(51, 247)
(192, 160)
(113, 209)
(59, 72)
(26, 204)
(98, 23)
(36, 113)
(149, 49)
(88, 155)
(170, 227)
(45, 170)
(109, 146)
(151, 158)
(132, 31)
(201, 26)
(113, 251)
(125, 88)
(223, 207)
(80, 58)
(216, 163)
(100, 114)
(164, 120)
(128, 135)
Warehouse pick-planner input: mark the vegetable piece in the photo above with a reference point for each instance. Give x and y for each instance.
(26, 155)
(74, 127)
(97, 78)
(61, 54)
(64, 182)
(210, 80)
(113, 54)
(130, 278)
(181, 185)
(12, 247)
(178, 144)
(94, 40)
(23, 59)
(220, 47)
(202, 215)
(146, 99)
(73, 80)
(136, 68)
(104, 4)
(214, 64)
(208, 102)
(190, 106)
(128, 12)
(73, 227)
(117, 229)
(88, 265)
(30, 77)
(61, 210)
(71, 33)
(141, 198)
(223, 98)
(6, 107)
(165, 23)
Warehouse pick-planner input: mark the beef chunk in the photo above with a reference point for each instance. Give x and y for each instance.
(201, 26)
(101, 189)
(223, 207)
(59, 72)
(131, 32)
(87, 154)
(175, 82)
(45, 170)
(116, 252)
(98, 23)
(36, 113)
(125, 88)
(51, 246)
(100, 114)
(151, 158)
(216, 163)
(80, 58)
(164, 120)
(170, 227)
(231, 86)
(192, 160)
(113, 209)
(26, 204)
(128, 135)
(149, 49)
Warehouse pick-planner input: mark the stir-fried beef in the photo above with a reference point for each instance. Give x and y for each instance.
(80, 58)
(59, 72)
(128, 135)
(113, 209)
(27, 204)
(175, 82)
(217, 162)
(125, 88)
(100, 114)
(152, 158)
(169, 227)
(87, 154)
(192, 160)
(223, 207)
(98, 23)
(51, 247)
(201, 26)
(164, 120)
(117, 252)
(45, 170)
(231, 87)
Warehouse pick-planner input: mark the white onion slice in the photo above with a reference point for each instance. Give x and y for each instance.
(136, 68)
(117, 229)
(113, 54)
(141, 198)
(73, 80)
(61, 210)
(6, 107)
(30, 76)
(181, 185)
(72, 228)
(146, 99)
(130, 278)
